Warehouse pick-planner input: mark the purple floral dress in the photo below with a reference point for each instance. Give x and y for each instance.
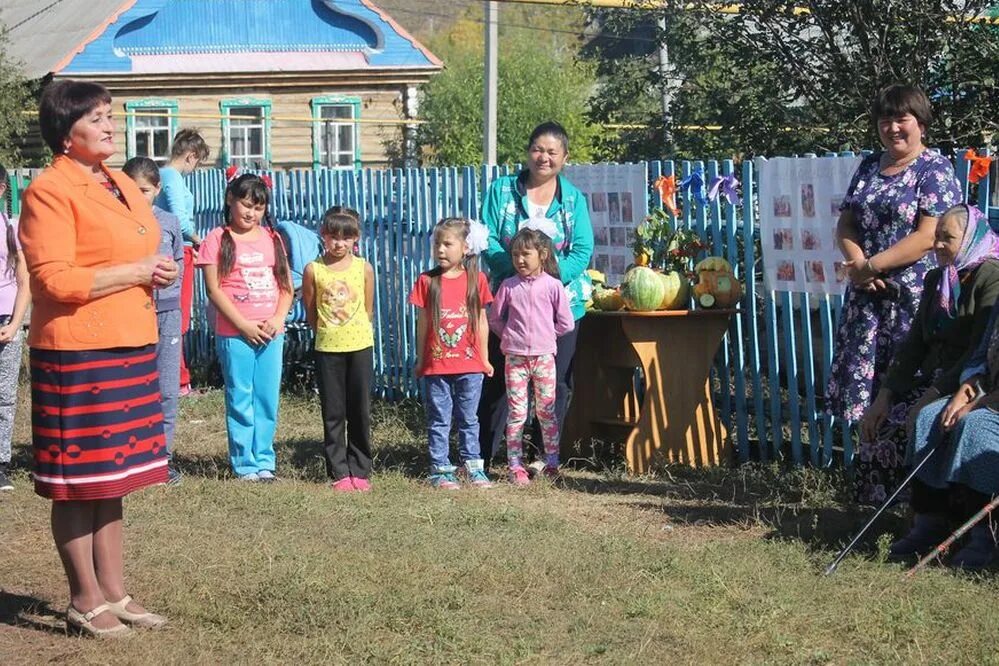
(872, 326)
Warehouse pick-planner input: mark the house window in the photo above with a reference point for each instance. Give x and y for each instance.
(335, 136)
(150, 126)
(246, 128)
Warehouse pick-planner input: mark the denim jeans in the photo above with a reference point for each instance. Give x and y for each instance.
(456, 395)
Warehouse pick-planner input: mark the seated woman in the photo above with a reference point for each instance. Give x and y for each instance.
(966, 467)
(952, 316)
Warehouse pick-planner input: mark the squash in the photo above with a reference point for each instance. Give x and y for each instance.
(677, 291)
(608, 300)
(643, 290)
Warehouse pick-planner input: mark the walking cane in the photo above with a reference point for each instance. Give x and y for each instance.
(877, 514)
(960, 532)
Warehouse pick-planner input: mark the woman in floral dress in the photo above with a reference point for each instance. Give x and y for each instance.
(886, 227)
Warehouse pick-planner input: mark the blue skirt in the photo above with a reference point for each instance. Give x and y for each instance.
(96, 422)
(969, 453)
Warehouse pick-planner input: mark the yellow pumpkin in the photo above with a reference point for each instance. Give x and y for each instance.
(677, 291)
(643, 258)
(719, 264)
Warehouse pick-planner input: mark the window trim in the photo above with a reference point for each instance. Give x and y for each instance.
(334, 100)
(148, 103)
(224, 107)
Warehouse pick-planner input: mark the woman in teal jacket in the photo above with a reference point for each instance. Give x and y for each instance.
(537, 191)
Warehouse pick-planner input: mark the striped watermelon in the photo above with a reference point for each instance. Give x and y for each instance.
(643, 290)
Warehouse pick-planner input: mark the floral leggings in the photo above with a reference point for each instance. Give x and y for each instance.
(520, 372)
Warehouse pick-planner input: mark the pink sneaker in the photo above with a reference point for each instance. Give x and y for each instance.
(363, 485)
(344, 485)
(518, 476)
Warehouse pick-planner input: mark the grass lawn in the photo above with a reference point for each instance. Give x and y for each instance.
(708, 567)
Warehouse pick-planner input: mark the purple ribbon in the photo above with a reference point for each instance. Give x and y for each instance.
(724, 185)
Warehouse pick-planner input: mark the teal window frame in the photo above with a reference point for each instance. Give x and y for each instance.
(225, 107)
(144, 105)
(333, 100)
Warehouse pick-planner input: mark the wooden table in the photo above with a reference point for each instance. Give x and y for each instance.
(665, 416)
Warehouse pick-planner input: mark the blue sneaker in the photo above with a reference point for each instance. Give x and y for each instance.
(266, 476)
(444, 479)
(477, 476)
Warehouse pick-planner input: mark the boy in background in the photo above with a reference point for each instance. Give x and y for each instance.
(188, 151)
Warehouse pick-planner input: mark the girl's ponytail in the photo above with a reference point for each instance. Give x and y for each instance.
(11, 246)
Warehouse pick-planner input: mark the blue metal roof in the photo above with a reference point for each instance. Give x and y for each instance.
(169, 27)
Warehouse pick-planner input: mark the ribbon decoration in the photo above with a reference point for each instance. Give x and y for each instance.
(541, 224)
(694, 183)
(233, 172)
(724, 185)
(666, 187)
(478, 238)
(978, 165)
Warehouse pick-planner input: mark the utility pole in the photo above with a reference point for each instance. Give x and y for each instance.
(490, 82)
(664, 70)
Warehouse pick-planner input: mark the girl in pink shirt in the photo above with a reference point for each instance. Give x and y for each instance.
(530, 311)
(248, 282)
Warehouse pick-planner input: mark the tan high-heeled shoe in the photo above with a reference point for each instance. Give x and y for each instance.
(82, 622)
(145, 620)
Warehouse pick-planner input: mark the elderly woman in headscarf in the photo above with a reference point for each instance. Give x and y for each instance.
(957, 480)
(952, 316)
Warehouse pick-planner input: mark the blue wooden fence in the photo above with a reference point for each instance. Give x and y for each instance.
(770, 373)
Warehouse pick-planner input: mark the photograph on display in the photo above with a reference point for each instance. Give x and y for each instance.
(783, 239)
(614, 207)
(808, 200)
(785, 271)
(815, 271)
(601, 236)
(799, 208)
(810, 240)
(599, 202)
(601, 262)
(618, 236)
(782, 206)
(627, 212)
(618, 264)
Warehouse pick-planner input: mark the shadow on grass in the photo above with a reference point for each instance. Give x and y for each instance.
(19, 610)
(820, 529)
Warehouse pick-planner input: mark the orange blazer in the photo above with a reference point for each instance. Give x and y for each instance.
(71, 227)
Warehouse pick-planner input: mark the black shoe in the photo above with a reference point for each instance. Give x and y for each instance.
(5, 483)
(174, 477)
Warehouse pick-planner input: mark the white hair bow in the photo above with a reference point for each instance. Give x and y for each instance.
(477, 239)
(542, 224)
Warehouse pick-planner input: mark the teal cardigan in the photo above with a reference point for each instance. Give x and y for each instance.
(504, 210)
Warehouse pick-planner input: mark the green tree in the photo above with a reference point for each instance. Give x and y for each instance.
(15, 98)
(774, 79)
(536, 84)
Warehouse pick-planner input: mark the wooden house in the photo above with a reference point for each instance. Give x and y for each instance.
(270, 83)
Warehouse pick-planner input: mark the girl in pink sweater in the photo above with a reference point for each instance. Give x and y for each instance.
(530, 311)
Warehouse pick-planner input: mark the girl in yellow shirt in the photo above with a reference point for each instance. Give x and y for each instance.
(338, 291)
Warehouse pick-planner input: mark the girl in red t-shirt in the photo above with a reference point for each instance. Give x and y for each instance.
(451, 336)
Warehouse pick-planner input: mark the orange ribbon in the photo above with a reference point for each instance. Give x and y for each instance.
(978, 165)
(666, 186)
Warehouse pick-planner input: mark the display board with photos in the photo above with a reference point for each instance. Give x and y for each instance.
(799, 199)
(617, 196)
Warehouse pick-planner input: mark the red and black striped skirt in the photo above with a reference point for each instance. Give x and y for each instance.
(96, 422)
